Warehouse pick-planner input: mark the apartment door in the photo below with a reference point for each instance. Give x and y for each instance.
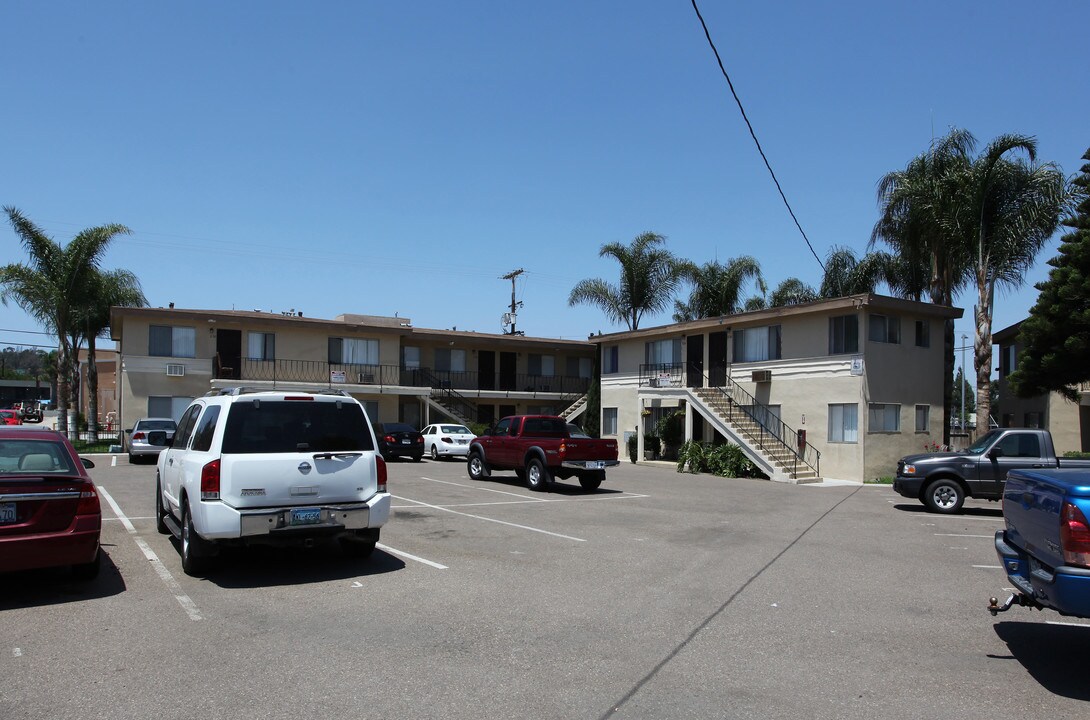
(717, 359)
(694, 365)
(508, 374)
(486, 370)
(229, 354)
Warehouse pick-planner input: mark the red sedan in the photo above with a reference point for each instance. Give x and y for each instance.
(10, 417)
(49, 510)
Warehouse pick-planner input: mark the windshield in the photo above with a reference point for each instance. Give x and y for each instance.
(985, 440)
(34, 456)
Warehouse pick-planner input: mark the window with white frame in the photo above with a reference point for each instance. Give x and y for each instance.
(610, 359)
(755, 344)
(923, 333)
(353, 351)
(539, 364)
(167, 406)
(410, 358)
(885, 329)
(884, 418)
(580, 367)
(923, 418)
(609, 421)
(843, 334)
(171, 341)
(844, 423)
(663, 352)
(261, 346)
(450, 360)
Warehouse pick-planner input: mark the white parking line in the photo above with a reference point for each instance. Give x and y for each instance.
(1068, 624)
(986, 537)
(989, 567)
(526, 502)
(488, 519)
(486, 489)
(188, 605)
(403, 554)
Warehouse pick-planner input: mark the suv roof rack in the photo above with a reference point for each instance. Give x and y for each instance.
(244, 390)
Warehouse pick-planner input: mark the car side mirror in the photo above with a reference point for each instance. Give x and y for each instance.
(995, 453)
(86, 463)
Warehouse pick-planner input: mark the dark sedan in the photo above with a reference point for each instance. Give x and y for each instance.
(399, 440)
(49, 510)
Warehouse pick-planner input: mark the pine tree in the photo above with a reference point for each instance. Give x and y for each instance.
(1056, 336)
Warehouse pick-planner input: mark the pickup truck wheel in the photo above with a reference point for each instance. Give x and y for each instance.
(361, 545)
(944, 496)
(160, 512)
(592, 479)
(537, 475)
(476, 466)
(195, 549)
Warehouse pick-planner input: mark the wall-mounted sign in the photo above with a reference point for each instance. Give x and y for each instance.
(336, 376)
(857, 365)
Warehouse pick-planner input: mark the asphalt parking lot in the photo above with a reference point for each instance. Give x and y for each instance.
(660, 596)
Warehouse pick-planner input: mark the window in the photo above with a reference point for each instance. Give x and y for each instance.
(663, 352)
(371, 408)
(609, 359)
(353, 351)
(885, 329)
(261, 346)
(923, 333)
(502, 427)
(753, 344)
(1026, 445)
(206, 428)
(185, 426)
(275, 426)
(542, 364)
(169, 341)
(580, 367)
(1008, 360)
(1033, 420)
(166, 406)
(884, 417)
(923, 418)
(410, 358)
(843, 334)
(844, 423)
(450, 360)
(609, 421)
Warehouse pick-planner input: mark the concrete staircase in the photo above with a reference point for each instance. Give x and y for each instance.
(448, 406)
(575, 409)
(778, 461)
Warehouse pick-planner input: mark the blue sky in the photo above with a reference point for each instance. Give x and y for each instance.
(375, 158)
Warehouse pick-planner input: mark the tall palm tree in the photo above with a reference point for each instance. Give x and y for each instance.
(791, 291)
(1012, 208)
(52, 286)
(717, 288)
(649, 277)
(105, 289)
(845, 274)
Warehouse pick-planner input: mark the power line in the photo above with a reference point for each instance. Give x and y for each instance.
(754, 135)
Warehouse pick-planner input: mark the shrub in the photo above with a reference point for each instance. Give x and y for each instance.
(633, 447)
(1077, 455)
(726, 460)
(652, 443)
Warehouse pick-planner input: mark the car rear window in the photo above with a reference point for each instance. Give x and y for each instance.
(38, 457)
(147, 425)
(264, 426)
(544, 427)
(398, 427)
(456, 429)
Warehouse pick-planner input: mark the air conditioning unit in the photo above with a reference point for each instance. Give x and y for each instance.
(760, 376)
(175, 370)
(367, 379)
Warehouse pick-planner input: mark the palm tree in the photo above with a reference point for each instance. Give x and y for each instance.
(649, 277)
(106, 289)
(1012, 208)
(792, 291)
(53, 285)
(845, 274)
(717, 288)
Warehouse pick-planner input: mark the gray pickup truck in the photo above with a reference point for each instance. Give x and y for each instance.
(943, 480)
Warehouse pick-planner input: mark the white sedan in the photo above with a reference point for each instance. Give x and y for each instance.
(446, 440)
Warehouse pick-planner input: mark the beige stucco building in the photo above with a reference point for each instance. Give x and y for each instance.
(169, 356)
(861, 376)
(1069, 422)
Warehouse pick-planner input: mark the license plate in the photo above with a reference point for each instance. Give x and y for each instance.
(306, 516)
(594, 465)
(404, 441)
(7, 513)
(462, 442)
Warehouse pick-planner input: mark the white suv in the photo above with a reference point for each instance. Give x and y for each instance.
(274, 467)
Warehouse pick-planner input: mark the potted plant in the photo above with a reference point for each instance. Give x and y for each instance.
(670, 429)
(652, 446)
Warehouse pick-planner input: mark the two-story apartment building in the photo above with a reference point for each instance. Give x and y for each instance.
(168, 356)
(836, 388)
(1068, 422)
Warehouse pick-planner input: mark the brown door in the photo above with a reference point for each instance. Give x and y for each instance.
(486, 370)
(508, 365)
(717, 359)
(229, 354)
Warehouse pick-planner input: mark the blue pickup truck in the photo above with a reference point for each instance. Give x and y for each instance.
(1045, 548)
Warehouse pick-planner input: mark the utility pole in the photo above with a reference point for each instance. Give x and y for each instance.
(964, 338)
(509, 318)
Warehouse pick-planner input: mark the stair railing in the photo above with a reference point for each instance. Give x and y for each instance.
(453, 399)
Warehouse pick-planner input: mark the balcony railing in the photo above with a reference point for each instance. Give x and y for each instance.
(326, 373)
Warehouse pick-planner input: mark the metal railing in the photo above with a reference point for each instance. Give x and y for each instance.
(449, 398)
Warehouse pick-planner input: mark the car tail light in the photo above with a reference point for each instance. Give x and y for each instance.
(210, 481)
(420, 439)
(138, 436)
(563, 449)
(447, 440)
(299, 397)
(88, 501)
(1074, 536)
(380, 466)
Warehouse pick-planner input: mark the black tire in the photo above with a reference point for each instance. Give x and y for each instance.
(88, 571)
(944, 496)
(132, 459)
(195, 550)
(160, 511)
(362, 545)
(537, 475)
(592, 479)
(476, 466)
(434, 453)
(418, 458)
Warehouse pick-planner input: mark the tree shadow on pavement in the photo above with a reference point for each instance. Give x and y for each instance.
(1055, 655)
(56, 586)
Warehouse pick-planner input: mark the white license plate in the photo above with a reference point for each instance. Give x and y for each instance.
(595, 465)
(404, 441)
(461, 442)
(306, 516)
(7, 513)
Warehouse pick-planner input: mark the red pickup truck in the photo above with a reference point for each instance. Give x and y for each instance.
(538, 448)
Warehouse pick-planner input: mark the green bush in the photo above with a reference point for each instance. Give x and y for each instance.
(651, 443)
(633, 447)
(726, 460)
(670, 428)
(477, 428)
(1077, 455)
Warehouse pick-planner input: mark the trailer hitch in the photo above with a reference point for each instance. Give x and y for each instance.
(1015, 599)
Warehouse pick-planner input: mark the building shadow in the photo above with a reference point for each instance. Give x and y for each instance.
(1055, 655)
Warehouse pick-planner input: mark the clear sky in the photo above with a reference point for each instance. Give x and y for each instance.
(392, 157)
